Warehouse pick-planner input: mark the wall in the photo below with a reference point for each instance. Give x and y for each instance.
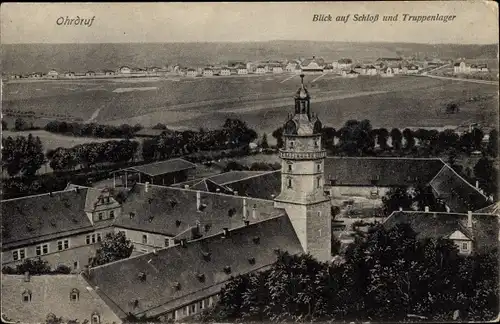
(362, 191)
(155, 241)
(319, 232)
(79, 251)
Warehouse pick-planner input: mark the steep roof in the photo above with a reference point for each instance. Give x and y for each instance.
(265, 185)
(458, 194)
(171, 211)
(360, 171)
(37, 218)
(162, 167)
(51, 294)
(491, 209)
(171, 275)
(484, 233)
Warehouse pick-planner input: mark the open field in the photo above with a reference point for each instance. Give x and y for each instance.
(262, 101)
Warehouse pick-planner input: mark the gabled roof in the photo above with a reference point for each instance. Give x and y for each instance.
(162, 167)
(265, 185)
(37, 218)
(484, 232)
(360, 171)
(459, 195)
(172, 276)
(51, 294)
(170, 211)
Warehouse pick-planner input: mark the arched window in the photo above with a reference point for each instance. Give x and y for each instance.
(289, 182)
(26, 296)
(96, 319)
(74, 295)
(318, 182)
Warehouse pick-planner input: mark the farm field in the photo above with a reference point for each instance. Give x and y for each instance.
(262, 101)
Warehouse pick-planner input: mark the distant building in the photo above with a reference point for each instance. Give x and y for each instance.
(36, 75)
(277, 69)
(241, 70)
(52, 74)
(344, 63)
(90, 73)
(349, 74)
(108, 72)
(125, 70)
(225, 71)
(261, 69)
(371, 70)
(312, 66)
(69, 74)
(293, 66)
(387, 72)
(208, 72)
(411, 69)
(191, 73)
(463, 67)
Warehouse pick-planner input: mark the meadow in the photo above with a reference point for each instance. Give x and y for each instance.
(262, 101)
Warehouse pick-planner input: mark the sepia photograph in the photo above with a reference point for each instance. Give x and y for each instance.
(250, 162)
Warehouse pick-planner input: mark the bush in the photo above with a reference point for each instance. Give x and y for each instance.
(62, 269)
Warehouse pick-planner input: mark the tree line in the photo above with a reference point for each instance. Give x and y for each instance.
(389, 275)
(358, 138)
(92, 129)
(233, 134)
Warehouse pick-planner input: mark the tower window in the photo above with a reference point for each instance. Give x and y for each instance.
(289, 183)
(144, 239)
(291, 144)
(289, 168)
(316, 145)
(26, 296)
(318, 167)
(318, 182)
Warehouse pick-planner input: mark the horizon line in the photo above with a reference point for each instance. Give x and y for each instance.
(257, 41)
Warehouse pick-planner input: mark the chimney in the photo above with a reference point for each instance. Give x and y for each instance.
(225, 232)
(26, 276)
(400, 208)
(235, 193)
(477, 183)
(198, 200)
(469, 219)
(254, 212)
(426, 209)
(247, 223)
(186, 186)
(244, 208)
(146, 186)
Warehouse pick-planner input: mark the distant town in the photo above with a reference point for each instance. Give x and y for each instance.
(344, 67)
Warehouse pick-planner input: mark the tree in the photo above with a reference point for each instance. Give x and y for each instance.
(114, 247)
(396, 139)
(328, 135)
(492, 147)
(278, 135)
(4, 125)
(410, 140)
(396, 198)
(477, 138)
(264, 143)
(356, 137)
(20, 124)
(487, 175)
(34, 267)
(382, 136)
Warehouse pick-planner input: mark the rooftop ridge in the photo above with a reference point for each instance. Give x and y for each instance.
(467, 182)
(189, 242)
(438, 212)
(43, 194)
(384, 158)
(252, 176)
(204, 192)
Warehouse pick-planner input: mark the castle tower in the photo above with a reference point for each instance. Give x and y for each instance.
(302, 178)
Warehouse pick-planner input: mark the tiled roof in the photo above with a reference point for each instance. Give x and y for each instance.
(35, 218)
(51, 294)
(458, 194)
(162, 167)
(170, 211)
(265, 186)
(178, 275)
(484, 230)
(358, 171)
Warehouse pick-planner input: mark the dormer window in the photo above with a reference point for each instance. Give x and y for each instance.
(74, 295)
(96, 319)
(112, 214)
(144, 239)
(26, 296)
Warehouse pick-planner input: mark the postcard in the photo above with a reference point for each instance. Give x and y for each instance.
(250, 162)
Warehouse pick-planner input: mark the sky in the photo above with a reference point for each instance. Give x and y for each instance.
(475, 23)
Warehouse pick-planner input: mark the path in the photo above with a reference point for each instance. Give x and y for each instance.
(318, 77)
(288, 78)
(461, 79)
(94, 115)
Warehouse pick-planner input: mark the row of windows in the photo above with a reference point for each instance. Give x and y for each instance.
(193, 308)
(167, 241)
(318, 183)
(100, 216)
(291, 144)
(92, 238)
(74, 295)
(318, 167)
